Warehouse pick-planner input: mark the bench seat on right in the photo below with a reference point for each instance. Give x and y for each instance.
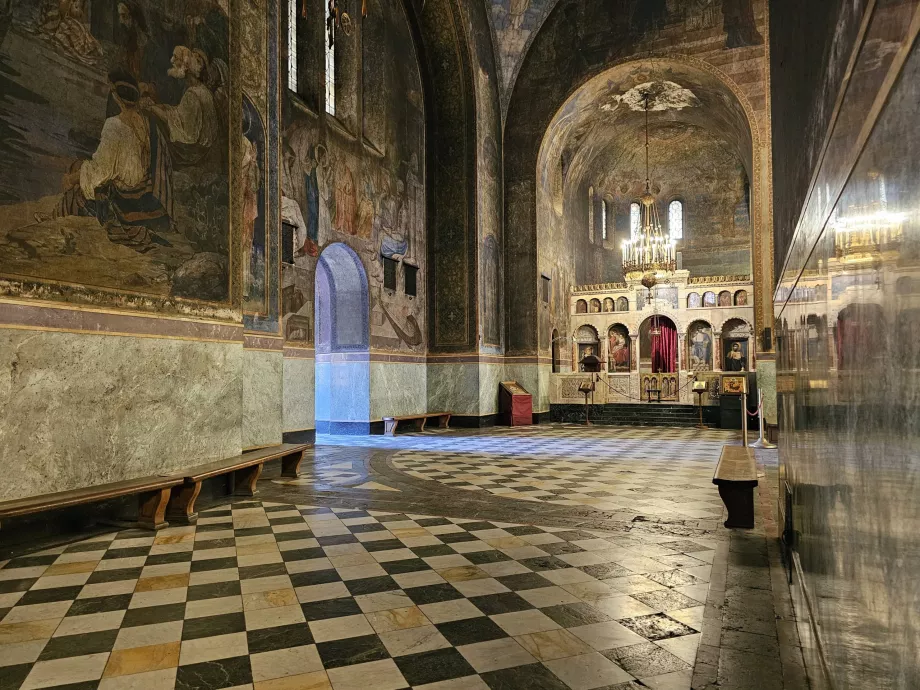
(736, 477)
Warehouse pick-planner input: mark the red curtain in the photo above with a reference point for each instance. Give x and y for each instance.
(664, 349)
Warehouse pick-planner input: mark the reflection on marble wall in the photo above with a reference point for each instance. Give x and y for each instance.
(262, 382)
(142, 408)
(342, 395)
(848, 373)
(297, 403)
(453, 387)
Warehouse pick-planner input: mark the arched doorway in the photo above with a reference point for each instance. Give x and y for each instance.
(342, 343)
(658, 345)
(557, 359)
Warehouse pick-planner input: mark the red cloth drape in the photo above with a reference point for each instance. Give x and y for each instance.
(664, 349)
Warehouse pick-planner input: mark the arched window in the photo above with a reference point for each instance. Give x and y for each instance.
(292, 44)
(676, 220)
(330, 65)
(604, 219)
(590, 214)
(634, 219)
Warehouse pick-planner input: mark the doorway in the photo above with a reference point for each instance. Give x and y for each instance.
(342, 381)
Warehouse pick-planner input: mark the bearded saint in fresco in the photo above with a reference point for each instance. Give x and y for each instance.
(345, 199)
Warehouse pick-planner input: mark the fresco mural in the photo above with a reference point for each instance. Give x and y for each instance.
(618, 349)
(114, 146)
(700, 344)
(255, 246)
(335, 189)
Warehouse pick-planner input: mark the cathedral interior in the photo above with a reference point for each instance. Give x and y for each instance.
(459, 344)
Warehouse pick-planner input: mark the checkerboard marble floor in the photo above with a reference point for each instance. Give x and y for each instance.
(274, 595)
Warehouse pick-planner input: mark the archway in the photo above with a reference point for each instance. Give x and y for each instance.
(342, 343)
(658, 345)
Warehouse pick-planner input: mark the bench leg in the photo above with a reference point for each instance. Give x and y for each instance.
(389, 427)
(151, 509)
(422, 425)
(444, 421)
(182, 504)
(739, 501)
(244, 480)
(290, 465)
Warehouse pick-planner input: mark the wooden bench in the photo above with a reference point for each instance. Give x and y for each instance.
(736, 477)
(390, 424)
(245, 468)
(152, 497)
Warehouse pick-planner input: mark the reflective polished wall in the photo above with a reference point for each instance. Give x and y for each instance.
(847, 308)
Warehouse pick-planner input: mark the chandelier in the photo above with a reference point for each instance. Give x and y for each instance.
(650, 253)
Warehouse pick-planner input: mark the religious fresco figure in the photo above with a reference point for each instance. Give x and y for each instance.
(252, 182)
(345, 199)
(739, 25)
(735, 359)
(192, 124)
(65, 25)
(618, 359)
(127, 184)
(700, 347)
(132, 39)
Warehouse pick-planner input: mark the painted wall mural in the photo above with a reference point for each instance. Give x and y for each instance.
(253, 193)
(114, 146)
(700, 346)
(371, 199)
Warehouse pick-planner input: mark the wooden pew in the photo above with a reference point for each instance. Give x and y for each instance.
(152, 497)
(245, 468)
(736, 477)
(391, 424)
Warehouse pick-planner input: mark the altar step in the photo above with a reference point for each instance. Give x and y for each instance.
(639, 414)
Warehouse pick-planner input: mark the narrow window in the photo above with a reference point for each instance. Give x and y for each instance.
(411, 277)
(292, 45)
(604, 219)
(389, 274)
(634, 219)
(676, 220)
(590, 214)
(545, 285)
(330, 60)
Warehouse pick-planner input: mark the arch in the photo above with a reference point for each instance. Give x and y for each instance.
(587, 342)
(700, 348)
(581, 307)
(595, 306)
(709, 298)
(569, 24)
(658, 352)
(735, 336)
(342, 326)
(741, 298)
(693, 300)
(609, 304)
(557, 359)
(725, 298)
(676, 219)
(622, 304)
(619, 349)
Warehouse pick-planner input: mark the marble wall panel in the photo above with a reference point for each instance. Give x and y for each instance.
(297, 399)
(847, 373)
(79, 410)
(490, 376)
(453, 387)
(531, 376)
(262, 399)
(342, 391)
(397, 388)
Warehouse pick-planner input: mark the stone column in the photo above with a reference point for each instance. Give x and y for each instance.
(681, 355)
(717, 351)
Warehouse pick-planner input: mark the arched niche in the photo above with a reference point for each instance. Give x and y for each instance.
(658, 345)
(694, 301)
(557, 358)
(609, 304)
(581, 307)
(700, 346)
(595, 306)
(622, 304)
(586, 343)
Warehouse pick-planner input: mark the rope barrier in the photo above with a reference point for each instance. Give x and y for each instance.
(640, 399)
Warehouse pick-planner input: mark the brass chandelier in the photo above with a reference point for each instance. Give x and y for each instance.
(651, 253)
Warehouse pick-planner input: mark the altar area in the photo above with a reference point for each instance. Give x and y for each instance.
(660, 340)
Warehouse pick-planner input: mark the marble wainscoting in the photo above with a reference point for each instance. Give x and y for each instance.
(397, 387)
(491, 374)
(534, 377)
(848, 375)
(80, 409)
(299, 388)
(766, 383)
(262, 392)
(453, 386)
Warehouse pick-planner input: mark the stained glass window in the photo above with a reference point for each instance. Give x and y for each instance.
(634, 219)
(676, 220)
(292, 45)
(330, 65)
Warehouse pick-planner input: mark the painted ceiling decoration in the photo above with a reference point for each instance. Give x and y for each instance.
(662, 95)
